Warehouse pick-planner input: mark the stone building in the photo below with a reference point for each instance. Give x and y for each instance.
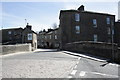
(19, 36)
(57, 37)
(41, 39)
(53, 38)
(81, 25)
(117, 33)
(29, 36)
(49, 39)
(12, 36)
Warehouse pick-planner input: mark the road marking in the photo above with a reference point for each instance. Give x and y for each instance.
(113, 64)
(79, 58)
(73, 72)
(103, 74)
(78, 62)
(75, 67)
(82, 73)
(69, 76)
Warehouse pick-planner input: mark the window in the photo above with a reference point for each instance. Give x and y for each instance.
(94, 23)
(108, 20)
(29, 36)
(77, 17)
(109, 31)
(50, 36)
(112, 23)
(113, 32)
(109, 40)
(10, 38)
(9, 32)
(45, 37)
(55, 36)
(77, 29)
(95, 38)
(15, 33)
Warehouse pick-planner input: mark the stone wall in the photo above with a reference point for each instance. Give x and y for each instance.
(6, 49)
(118, 55)
(98, 49)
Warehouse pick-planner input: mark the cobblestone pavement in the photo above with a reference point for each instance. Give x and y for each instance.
(39, 64)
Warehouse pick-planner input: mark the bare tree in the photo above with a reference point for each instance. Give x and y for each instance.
(54, 25)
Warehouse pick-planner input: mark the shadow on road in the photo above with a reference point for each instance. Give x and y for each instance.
(103, 65)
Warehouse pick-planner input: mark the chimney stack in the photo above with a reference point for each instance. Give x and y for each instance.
(28, 26)
(81, 8)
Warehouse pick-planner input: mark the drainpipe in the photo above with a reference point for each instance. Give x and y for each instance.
(112, 40)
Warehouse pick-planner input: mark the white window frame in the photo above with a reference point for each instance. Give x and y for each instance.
(29, 36)
(95, 23)
(45, 37)
(50, 37)
(77, 29)
(95, 37)
(77, 17)
(113, 32)
(9, 32)
(108, 20)
(55, 36)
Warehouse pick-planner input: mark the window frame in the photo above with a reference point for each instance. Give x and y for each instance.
(109, 30)
(95, 36)
(29, 36)
(50, 36)
(9, 32)
(94, 21)
(77, 17)
(77, 29)
(108, 20)
(56, 37)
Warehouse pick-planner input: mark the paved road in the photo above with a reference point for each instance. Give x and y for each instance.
(46, 63)
(87, 68)
(39, 64)
(92, 68)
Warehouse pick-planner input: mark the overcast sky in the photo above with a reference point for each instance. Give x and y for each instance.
(43, 14)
